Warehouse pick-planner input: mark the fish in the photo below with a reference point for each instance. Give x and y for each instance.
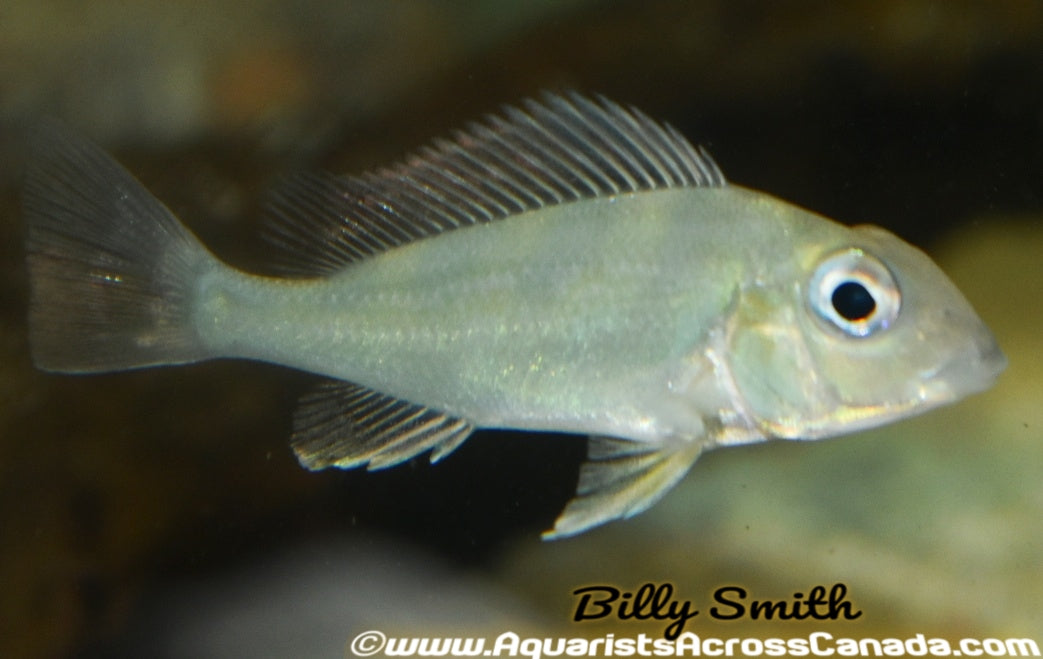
(567, 264)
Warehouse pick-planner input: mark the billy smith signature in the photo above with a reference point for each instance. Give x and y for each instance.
(656, 602)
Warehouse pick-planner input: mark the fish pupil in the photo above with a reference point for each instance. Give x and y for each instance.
(852, 301)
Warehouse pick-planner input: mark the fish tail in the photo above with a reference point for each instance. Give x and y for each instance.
(111, 270)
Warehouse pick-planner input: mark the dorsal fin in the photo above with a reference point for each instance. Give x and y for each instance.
(559, 150)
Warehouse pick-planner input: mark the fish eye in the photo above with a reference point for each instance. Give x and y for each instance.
(854, 292)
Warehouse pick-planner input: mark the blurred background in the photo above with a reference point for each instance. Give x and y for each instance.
(161, 513)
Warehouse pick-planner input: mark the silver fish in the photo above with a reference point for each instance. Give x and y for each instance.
(569, 265)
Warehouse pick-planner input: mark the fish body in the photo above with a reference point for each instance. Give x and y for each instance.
(572, 267)
(574, 319)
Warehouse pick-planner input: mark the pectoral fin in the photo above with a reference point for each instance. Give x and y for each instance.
(622, 478)
(344, 425)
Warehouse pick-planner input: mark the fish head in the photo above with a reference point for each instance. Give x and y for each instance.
(857, 331)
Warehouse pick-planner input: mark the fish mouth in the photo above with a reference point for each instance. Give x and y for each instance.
(971, 372)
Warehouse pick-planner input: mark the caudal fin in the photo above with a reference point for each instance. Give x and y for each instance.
(111, 270)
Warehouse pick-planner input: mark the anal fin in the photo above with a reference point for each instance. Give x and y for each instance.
(345, 425)
(622, 478)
